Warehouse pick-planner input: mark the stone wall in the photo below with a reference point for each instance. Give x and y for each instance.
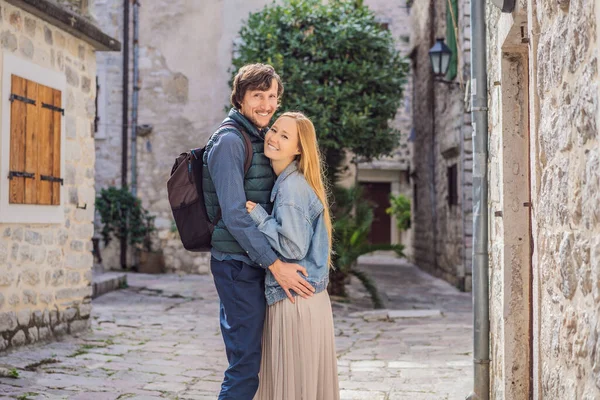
(396, 16)
(45, 270)
(561, 64)
(567, 198)
(108, 15)
(442, 138)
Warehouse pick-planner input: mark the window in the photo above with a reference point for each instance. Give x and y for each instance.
(415, 198)
(100, 120)
(35, 116)
(453, 185)
(32, 142)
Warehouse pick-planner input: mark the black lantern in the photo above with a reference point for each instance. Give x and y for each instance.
(440, 55)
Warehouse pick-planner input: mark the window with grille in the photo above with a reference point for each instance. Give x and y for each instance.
(453, 185)
(35, 120)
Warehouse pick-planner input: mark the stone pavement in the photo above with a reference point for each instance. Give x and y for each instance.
(160, 339)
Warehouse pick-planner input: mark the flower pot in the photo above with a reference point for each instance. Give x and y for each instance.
(151, 262)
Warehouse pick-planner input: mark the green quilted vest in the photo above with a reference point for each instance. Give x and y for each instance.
(258, 182)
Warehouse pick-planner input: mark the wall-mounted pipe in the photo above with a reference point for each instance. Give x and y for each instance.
(135, 96)
(479, 110)
(433, 147)
(124, 114)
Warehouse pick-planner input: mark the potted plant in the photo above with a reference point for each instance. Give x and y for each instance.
(151, 261)
(123, 217)
(400, 209)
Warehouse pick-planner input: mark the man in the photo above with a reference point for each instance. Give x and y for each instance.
(240, 253)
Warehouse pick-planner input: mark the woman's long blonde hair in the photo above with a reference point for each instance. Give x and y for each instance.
(310, 163)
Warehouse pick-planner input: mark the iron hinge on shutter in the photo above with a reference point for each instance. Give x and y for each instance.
(54, 108)
(51, 179)
(20, 174)
(14, 97)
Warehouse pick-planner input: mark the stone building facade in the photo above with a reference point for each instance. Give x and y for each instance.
(441, 169)
(45, 242)
(544, 200)
(185, 60)
(390, 175)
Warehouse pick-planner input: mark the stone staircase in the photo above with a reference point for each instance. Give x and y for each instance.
(106, 281)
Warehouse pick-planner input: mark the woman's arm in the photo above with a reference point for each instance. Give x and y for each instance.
(289, 233)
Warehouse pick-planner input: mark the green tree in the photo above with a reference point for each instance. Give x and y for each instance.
(338, 65)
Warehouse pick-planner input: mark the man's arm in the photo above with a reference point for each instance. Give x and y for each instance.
(226, 166)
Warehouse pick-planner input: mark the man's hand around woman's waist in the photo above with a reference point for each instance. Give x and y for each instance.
(286, 274)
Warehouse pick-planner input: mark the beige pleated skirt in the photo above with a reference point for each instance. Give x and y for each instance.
(298, 351)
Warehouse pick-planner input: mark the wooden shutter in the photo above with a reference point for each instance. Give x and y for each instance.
(49, 146)
(34, 143)
(20, 107)
(451, 24)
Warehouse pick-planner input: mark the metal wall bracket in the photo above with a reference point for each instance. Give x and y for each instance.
(54, 108)
(20, 174)
(51, 179)
(14, 97)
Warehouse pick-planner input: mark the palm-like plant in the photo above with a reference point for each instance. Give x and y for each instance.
(352, 225)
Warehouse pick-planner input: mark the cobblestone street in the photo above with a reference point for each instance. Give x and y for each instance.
(160, 339)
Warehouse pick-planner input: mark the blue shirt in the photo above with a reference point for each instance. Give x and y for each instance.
(296, 230)
(226, 165)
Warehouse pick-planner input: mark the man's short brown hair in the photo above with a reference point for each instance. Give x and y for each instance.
(253, 77)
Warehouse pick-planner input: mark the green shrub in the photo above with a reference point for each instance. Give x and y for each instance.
(123, 216)
(400, 209)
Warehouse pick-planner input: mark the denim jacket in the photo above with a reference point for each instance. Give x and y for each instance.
(296, 230)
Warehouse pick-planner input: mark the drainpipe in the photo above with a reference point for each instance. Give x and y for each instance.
(134, 100)
(432, 150)
(124, 124)
(479, 110)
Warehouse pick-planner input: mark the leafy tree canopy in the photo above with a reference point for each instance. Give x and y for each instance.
(338, 65)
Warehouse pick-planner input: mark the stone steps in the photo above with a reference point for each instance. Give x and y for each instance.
(105, 282)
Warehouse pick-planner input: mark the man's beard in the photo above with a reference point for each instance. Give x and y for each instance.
(257, 124)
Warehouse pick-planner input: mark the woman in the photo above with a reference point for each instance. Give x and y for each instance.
(298, 356)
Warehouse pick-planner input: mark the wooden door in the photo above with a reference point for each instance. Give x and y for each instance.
(379, 194)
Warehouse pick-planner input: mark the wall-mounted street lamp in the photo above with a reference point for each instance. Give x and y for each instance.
(440, 56)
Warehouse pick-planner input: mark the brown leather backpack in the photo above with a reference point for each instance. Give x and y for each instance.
(186, 197)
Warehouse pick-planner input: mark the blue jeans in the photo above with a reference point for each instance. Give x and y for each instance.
(241, 289)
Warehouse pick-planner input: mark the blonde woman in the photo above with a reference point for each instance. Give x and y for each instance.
(298, 351)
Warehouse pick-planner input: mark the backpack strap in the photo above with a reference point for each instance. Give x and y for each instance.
(247, 161)
(247, 143)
